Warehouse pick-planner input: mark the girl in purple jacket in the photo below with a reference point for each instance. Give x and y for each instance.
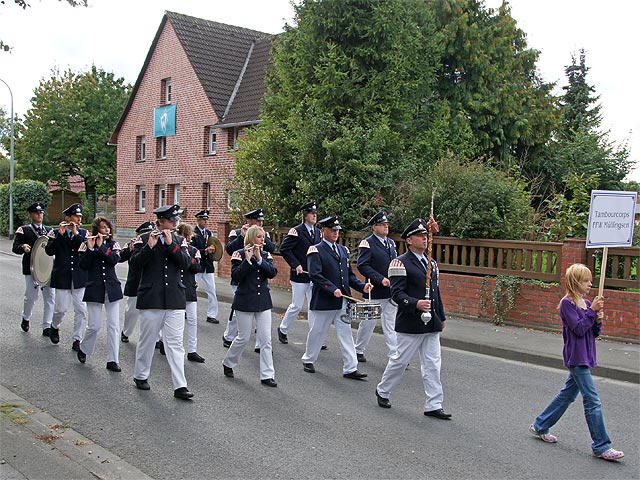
(581, 324)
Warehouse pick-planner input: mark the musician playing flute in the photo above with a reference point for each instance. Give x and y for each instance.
(205, 277)
(67, 277)
(99, 256)
(419, 320)
(23, 242)
(332, 277)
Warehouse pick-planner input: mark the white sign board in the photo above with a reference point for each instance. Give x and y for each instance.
(611, 219)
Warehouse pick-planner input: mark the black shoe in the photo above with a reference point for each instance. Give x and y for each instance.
(361, 358)
(113, 366)
(323, 347)
(282, 337)
(75, 346)
(81, 355)
(355, 375)
(194, 357)
(124, 338)
(257, 349)
(228, 371)
(269, 382)
(24, 325)
(46, 331)
(439, 413)
(142, 384)
(161, 347)
(382, 402)
(158, 343)
(212, 320)
(182, 393)
(54, 335)
(225, 343)
(308, 367)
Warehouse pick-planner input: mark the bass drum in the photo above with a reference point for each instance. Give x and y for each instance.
(41, 263)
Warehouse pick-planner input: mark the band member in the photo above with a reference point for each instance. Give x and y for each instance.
(67, 277)
(330, 271)
(294, 250)
(408, 274)
(374, 255)
(251, 267)
(236, 242)
(206, 277)
(189, 276)
(131, 314)
(161, 255)
(99, 256)
(23, 242)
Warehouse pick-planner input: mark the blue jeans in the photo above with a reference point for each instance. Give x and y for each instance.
(579, 381)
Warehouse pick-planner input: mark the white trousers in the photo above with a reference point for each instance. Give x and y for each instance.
(131, 316)
(428, 346)
(31, 294)
(388, 321)
(322, 320)
(298, 293)
(208, 282)
(231, 331)
(263, 334)
(172, 324)
(62, 304)
(94, 324)
(191, 314)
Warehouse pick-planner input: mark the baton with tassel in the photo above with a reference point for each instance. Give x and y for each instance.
(432, 227)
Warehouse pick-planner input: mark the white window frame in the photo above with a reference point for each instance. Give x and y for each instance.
(163, 148)
(176, 194)
(143, 148)
(167, 90)
(162, 196)
(142, 198)
(212, 141)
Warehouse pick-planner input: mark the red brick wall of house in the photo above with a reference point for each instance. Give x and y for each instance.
(186, 163)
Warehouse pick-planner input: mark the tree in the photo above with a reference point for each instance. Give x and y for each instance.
(68, 126)
(23, 4)
(25, 192)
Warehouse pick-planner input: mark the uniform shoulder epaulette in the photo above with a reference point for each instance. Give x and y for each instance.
(312, 249)
(137, 240)
(184, 244)
(392, 243)
(269, 257)
(364, 244)
(233, 234)
(82, 247)
(292, 232)
(397, 269)
(197, 255)
(19, 231)
(347, 249)
(51, 234)
(236, 256)
(116, 246)
(266, 235)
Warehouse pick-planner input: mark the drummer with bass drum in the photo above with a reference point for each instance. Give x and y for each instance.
(23, 243)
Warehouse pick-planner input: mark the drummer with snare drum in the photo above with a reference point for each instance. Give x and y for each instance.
(200, 240)
(374, 255)
(330, 272)
(23, 242)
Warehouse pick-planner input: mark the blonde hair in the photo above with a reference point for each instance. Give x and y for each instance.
(574, 276)
(185, 230)
(252, 233)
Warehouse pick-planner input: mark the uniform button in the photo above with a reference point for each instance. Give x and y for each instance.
(258, 293)
(258, 286)
(167, 284)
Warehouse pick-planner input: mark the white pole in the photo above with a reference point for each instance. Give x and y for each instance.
(11, 161)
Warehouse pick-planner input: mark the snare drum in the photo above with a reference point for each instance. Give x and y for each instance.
(362, 311)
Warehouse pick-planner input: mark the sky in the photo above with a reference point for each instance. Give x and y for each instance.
(115, 35)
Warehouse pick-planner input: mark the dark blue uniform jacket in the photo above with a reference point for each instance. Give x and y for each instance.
(100, 263)
(133, 274)
(252, 294)
(200, 242)
(189, 274)
(66, 261)
(373, 263)
(26, 234)
(294, 249)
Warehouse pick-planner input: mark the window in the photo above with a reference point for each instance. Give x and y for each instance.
(233, 138)
(141, 148)
(210, 141)
(174, 192)
(206, 195)
(165, 96)
(162, 196)
(142, 198)
(161, 148)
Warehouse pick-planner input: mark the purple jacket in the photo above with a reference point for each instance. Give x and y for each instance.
(579, 331)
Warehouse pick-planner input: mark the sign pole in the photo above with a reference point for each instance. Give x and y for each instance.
(603, 270)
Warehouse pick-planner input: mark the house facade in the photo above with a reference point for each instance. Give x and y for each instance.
(199, 89)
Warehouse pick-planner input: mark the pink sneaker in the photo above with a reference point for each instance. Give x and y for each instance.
(610, 454)
(545, 437)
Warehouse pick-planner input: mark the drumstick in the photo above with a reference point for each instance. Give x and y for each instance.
(369, 291)
(357, 300)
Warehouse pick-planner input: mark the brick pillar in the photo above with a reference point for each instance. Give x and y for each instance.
(573, 251)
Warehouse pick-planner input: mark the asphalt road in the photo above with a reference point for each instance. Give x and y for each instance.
(313, 425)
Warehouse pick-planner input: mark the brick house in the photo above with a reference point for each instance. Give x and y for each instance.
(200, 87)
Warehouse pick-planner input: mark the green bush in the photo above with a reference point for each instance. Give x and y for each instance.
(472, 200)
(25, 192)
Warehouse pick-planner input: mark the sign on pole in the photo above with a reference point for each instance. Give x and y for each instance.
(611, 219)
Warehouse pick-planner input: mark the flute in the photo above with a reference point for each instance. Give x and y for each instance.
(66, 224)
(157, 233)
(96, 236)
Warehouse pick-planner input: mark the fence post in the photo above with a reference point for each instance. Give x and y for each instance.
(573, 251)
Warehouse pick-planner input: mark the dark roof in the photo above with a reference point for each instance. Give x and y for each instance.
(230, 63)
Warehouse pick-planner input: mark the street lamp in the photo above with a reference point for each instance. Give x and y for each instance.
(10, 167)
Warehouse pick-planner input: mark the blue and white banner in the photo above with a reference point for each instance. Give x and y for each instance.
(164, 121)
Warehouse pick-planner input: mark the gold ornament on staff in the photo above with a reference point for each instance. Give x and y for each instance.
(432, 227)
